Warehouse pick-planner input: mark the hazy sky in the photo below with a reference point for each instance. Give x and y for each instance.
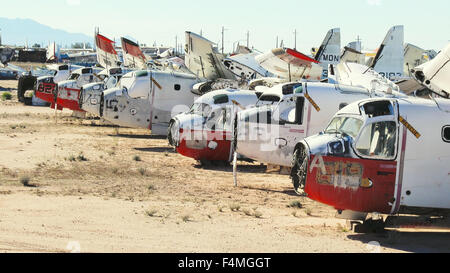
(427, 23)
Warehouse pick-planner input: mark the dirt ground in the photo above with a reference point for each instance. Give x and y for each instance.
(70, 185)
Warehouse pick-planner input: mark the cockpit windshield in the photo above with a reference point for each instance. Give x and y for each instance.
(345, 125)
(74, 76)
(202, 109)
(268, 99)
(111, 82)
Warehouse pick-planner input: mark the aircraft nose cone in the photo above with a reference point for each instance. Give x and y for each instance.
(90, 102)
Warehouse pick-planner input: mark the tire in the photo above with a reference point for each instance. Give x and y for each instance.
(299, 170)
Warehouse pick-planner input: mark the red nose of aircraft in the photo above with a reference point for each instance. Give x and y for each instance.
(343, 182)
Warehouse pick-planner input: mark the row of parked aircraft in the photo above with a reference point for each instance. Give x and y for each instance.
(364, 135)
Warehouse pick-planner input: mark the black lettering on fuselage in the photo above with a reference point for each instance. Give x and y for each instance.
(330, 58)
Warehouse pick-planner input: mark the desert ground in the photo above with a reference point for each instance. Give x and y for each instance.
(80, 185)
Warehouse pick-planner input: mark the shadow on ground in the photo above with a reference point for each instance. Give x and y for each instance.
(137, 136)
(286, 191)
(409, 241)
(156, 150)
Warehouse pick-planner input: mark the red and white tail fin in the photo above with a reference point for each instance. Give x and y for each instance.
(132, 55)
(106, 54)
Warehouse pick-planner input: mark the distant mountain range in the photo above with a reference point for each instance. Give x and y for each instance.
(22, 31)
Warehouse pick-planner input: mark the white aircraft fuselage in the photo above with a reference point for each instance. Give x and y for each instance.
(147, 99)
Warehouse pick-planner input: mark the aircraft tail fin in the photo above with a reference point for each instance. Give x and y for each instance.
(132, 55)
(106, 54)
(329, 51)
(203, 59)
(389, 59)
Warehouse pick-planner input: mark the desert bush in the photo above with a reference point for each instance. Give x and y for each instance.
(151, 213)
(186, 218)
(81, 157)
(235, 207)
(25, 180)
(257, 214)
(295, 204)
(6, 96)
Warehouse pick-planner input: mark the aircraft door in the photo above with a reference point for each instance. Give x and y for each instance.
(278, 132)
(291, 131)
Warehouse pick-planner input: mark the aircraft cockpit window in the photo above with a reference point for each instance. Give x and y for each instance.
(344, 125)
(111, 82)
(269, 98)
(74, 76)
(377, 140)
(114, 71)
(288, 89)
(294, 115)
(379, 108)
(219, 120)
(101, 77)
(143, 73)
(260, 117)
(86, 71)
(220, 99)
(202, 109)
(446, 134)
(215, 120)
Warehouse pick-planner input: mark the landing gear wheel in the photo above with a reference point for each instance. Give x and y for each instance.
(299, 170)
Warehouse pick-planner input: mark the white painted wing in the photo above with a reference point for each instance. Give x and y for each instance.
(360, 75)
(290, 64)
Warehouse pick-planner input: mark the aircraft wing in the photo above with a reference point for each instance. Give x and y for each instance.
(106, 54)
(249, 60)
(435, 74)
(352, 56)
(132, 55)
(290, 64)
(203, 59)
(408, 86)
(360, 75)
